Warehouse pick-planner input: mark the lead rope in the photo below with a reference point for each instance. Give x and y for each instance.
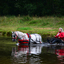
(29, 38)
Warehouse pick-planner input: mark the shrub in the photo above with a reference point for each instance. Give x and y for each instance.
(9, 33)
(4, 33)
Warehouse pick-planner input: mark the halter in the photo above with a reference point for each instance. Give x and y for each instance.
(29, 36)
(15, 37)
(25, 41)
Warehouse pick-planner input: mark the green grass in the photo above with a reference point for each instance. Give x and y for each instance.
(27, 24)
(24, 28)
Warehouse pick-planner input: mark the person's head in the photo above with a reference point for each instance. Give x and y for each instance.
(60, 30)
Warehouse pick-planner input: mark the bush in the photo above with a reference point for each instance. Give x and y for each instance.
(4, 33)
(9, 33)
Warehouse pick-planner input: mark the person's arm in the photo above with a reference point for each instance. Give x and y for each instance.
(56, 35)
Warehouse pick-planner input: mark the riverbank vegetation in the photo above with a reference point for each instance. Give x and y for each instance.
(41, 25)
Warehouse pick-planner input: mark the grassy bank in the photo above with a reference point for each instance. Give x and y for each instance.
(46, 26)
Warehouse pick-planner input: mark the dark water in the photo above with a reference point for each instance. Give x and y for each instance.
(33, 54)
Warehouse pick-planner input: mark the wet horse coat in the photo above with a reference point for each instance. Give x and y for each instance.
(25, 41)
(26, 38)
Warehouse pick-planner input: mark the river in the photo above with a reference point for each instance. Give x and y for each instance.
(33, 54)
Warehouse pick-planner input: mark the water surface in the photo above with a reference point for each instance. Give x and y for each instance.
(33, 54)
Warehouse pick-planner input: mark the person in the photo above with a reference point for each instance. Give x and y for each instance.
(59, 38)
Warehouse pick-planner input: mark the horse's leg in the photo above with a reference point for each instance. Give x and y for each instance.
(38, 38)
(41, 39)
(33, 38)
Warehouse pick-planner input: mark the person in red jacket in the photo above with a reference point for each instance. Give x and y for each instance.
(59, 38)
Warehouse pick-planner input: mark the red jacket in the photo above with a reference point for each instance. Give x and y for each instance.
(61, 35)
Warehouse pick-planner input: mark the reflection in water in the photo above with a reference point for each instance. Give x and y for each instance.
(27, 54)
(59, 51)
(38, 54)
(60, 54)
(33, 54)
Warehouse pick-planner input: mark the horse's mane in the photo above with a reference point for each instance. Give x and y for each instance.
(20, 33)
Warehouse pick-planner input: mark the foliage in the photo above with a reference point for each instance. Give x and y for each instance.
(44, 26)
(32, 7)
(4, 33)
(33, 22)
(9, 33)
(24, 28)
(26, 18)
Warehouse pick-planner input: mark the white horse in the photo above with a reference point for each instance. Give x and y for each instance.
(33, 38)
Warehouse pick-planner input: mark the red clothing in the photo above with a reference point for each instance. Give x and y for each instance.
(61, 35)
(59, 52)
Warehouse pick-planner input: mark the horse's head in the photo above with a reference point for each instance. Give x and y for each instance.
(14, 36)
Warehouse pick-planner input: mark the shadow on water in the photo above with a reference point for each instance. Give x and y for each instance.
(33, 54)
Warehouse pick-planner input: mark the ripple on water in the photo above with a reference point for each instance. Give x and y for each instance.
(37, 54)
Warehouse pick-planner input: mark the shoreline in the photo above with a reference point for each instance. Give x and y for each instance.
(45, 26)
(44, 33)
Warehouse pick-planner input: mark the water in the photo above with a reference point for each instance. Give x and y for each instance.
(33, 54)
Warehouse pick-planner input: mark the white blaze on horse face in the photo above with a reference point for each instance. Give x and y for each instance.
(14, 36)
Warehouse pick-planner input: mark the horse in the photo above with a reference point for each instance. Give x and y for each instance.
(25, 37)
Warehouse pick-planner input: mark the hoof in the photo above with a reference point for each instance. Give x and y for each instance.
(34, 43)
